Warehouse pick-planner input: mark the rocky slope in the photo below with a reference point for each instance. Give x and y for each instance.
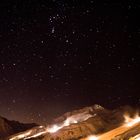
(11, 127)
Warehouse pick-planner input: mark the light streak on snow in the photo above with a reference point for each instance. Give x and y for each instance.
(92, 138)
(36, 135)
(70, 120)
(21, 136)
(131, 121)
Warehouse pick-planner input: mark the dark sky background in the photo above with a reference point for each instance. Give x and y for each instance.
(60, 55)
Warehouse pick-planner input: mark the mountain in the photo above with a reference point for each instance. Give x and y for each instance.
(102, 120)
(8, 128)
(79, 124)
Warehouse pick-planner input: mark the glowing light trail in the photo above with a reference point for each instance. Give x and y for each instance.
(131, 121)
(92, 138)
(21, 136)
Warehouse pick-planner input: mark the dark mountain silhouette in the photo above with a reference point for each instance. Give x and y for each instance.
(8, 128)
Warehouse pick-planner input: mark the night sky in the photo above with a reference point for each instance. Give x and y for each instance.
(60, 55)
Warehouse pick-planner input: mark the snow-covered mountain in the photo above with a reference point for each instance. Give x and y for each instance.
(77, 124)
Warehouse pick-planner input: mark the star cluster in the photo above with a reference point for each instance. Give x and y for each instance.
(60, 55)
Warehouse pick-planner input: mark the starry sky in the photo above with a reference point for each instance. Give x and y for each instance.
(60, 55)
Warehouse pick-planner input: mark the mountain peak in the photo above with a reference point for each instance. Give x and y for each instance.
(98, 107)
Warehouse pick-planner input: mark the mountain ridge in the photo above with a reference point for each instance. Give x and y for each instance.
(77, 124)
(10, 127)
